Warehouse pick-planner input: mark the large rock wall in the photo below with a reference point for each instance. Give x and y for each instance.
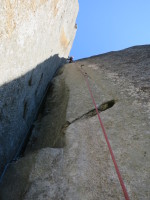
(35, 36)
(67, 156)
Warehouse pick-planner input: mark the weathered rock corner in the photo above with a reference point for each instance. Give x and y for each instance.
(35, 39)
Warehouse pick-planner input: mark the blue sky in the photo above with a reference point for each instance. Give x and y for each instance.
(109, 25)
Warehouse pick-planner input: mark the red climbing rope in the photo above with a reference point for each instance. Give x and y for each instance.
(107, 141)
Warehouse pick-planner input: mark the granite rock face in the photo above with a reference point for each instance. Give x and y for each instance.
(35, 37)
(67, 156)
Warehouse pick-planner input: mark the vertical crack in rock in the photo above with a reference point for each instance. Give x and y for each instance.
(49, 128)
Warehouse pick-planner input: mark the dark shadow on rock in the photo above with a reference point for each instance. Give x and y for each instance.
(19, 103)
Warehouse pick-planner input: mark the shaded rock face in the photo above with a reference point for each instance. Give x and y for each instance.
(67, 156)
(35, 37)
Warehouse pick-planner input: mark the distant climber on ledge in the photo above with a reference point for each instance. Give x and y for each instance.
(70, 59)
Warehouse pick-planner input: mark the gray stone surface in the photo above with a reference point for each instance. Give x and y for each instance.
(67, 156)
(35, 37)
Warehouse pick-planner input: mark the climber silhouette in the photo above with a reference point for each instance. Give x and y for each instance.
(70, 59)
